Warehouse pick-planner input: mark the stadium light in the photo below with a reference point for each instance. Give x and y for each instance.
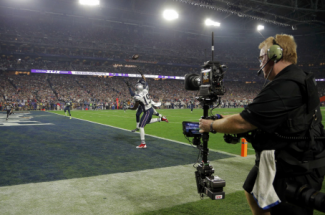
(260, 27)
(209, 22)
(170, 14)
(89, 2)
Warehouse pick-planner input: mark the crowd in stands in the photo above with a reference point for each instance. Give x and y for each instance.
(84, 90)
(51, 88)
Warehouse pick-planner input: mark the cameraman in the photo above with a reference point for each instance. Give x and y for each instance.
(288, 106)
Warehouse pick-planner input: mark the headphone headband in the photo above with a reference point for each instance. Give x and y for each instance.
(274, 42)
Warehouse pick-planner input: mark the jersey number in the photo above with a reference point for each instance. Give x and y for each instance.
(145, 100)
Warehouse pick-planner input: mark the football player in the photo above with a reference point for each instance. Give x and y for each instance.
(9, 109)
(125, 106)
(192, 105)
(145, 85)
(68, 104)
(142, 99)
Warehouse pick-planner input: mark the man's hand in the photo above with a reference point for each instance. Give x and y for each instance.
(232, 124)
(204, 125)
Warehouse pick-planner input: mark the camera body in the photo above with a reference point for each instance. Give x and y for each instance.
(209, 83)
(207, 184)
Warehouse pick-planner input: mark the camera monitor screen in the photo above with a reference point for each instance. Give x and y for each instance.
(191, 129)
(205, 76)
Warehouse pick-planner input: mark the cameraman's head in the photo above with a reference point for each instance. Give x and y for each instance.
(277, 53)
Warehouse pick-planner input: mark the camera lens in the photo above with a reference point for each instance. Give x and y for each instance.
(192, 82)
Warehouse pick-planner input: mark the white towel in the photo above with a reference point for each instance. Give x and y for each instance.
(263, 190)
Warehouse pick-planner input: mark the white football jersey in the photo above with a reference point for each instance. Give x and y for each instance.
(144, 100)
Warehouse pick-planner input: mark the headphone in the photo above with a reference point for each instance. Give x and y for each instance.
(274, 53)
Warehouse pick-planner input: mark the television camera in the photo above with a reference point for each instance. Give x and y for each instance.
(210, 86)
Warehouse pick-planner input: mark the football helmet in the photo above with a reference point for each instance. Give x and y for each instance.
(144, 84)
(141, 81)
(139, 87)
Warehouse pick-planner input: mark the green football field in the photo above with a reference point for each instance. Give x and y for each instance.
(172, 130)
(79, 182)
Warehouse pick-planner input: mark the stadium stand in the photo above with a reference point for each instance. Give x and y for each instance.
(55, 44)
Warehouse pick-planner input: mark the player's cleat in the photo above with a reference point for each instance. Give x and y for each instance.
(142, 146)
(134, 130)
(164, 119)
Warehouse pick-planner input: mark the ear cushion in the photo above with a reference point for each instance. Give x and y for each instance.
(274, 52)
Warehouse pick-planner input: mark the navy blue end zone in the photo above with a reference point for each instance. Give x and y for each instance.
(75, 148)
